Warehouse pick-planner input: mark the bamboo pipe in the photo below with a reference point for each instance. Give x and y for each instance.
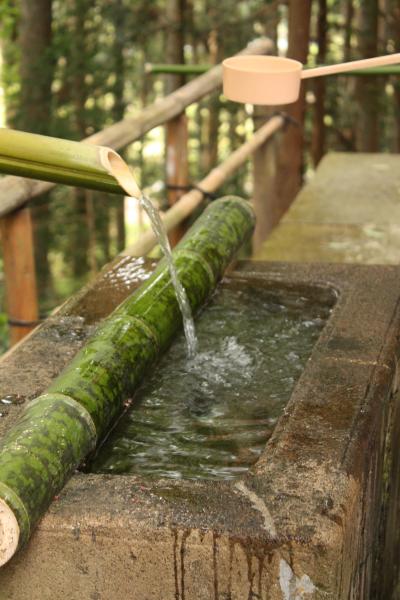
(17, 191)
(61, 161)
(41, 451)
(188, 202)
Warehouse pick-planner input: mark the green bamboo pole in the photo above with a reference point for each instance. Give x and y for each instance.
(172, 69)
(176, 69)
(57, 160)
(392, 70)
(59, 428)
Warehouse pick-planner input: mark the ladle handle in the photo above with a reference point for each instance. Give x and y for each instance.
(367, 63)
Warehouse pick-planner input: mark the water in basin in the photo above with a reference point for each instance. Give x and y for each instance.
(209, 416)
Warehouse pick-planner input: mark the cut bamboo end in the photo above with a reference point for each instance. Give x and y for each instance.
(9, 533)
(117, 167)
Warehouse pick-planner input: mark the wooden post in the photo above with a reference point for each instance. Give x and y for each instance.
(290, 160)
(19, 270)
(177, 166)
(265, 197)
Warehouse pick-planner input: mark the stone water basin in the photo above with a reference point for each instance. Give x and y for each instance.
(313, 516)
(210, 416)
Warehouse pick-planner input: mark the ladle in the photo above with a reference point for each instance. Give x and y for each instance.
(274, 80)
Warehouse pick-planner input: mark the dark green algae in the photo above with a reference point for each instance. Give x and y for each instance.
(58, 429)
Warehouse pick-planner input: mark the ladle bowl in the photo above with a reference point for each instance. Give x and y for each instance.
(271, 80)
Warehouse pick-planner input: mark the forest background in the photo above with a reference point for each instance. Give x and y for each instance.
(72, 67)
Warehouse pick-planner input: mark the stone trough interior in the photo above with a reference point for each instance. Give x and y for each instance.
(312, 518)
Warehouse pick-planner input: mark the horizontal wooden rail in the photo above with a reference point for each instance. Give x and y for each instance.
(187, 203)
(17, 191)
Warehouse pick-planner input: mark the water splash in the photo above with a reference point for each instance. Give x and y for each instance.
(210, 416)
(161, 233)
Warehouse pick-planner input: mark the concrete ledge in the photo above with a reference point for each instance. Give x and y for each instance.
(349, 212)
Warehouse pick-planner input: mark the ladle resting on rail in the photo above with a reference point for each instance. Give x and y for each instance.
(273, 80)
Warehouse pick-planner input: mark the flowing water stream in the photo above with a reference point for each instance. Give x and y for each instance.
(160, 232)
(115, 165)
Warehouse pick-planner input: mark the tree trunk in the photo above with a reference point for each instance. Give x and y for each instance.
(290, 163)
(368, 89)
(318, 137)
(395, 32)
(348, 29)
(175, 40)
(79, 94)
(215, 49)
(34, 110)
(265, 199)
(118, 114)
(36, 67)
(79, 235)
(176, 129)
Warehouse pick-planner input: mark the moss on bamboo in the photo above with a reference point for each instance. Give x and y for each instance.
(59, 428)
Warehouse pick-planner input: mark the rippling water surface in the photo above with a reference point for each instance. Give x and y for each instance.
(209, 416)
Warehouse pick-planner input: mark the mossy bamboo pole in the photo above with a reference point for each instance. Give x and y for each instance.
(185, 206)
(60, 427)
(58, 160)
(17, 191)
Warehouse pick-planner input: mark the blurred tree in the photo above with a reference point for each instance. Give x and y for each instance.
(394, 30)
(368, 88)
(34, 104)
(318, 134)
(290, 166)
(118, 17)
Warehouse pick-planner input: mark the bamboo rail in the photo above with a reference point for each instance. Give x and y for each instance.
(17, 191)
(187, 203)
(178, 69)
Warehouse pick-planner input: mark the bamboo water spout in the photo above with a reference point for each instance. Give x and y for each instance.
(273, 80)
(63, 161)
(60, 427)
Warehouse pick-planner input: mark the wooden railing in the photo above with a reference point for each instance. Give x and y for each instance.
(17, 192)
